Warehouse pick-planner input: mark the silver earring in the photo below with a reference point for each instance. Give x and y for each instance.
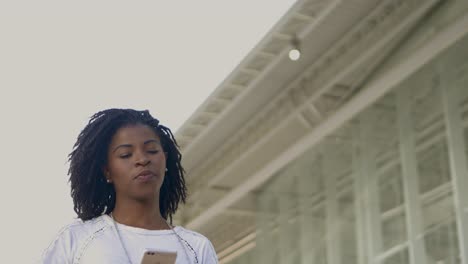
(108, 181)
(167, 170)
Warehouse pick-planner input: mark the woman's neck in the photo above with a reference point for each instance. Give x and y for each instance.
(141, 215)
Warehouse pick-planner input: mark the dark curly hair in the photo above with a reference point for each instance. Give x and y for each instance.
(92, 195)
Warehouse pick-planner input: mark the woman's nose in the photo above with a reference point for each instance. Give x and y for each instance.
(142, 160)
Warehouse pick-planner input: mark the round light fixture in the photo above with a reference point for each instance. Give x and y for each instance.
(294, 54)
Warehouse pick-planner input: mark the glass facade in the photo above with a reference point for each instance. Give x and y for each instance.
(386, 187)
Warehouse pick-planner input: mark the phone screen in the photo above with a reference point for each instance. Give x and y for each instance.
(158, 257)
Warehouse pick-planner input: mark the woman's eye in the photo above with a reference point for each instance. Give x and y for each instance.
(153, 151)
(124, 156)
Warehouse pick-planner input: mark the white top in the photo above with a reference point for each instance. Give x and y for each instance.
(96, 241)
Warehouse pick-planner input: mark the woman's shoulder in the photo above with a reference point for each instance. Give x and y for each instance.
(202, 244)
(71, 237)
(79, 226)
(191, 234)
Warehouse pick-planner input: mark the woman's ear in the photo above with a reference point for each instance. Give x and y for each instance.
(106, 173)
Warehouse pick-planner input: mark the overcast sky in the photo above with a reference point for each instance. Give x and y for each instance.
(62, 61)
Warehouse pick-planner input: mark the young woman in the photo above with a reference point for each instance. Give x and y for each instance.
(126, 183)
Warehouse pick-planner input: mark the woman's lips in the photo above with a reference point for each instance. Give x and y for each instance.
(145, 176)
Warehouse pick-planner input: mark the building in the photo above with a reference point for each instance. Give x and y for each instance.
(355, 153)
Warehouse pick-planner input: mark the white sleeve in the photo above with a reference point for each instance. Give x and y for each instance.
(60, 250)
(209, 254)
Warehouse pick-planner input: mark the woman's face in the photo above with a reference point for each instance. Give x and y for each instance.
(136, 163)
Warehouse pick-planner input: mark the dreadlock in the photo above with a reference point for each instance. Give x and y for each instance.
(92, 195)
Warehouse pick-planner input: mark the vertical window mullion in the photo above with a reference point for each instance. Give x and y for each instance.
(358, 188)
(458, 162)
(371, 195)
(413, 210)
(331, 206)
(308, 226)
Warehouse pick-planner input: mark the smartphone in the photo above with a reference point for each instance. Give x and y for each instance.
(158, 257)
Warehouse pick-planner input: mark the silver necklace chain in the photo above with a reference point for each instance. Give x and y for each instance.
(173, 231)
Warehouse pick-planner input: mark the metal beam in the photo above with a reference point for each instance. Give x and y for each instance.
(282, 36)
(301, 16)
(237, 249)
(273, 63)
(370, 53)
(251, 72)
(373, 91)
(376, 48)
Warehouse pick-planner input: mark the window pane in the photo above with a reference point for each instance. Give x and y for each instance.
(399, 258)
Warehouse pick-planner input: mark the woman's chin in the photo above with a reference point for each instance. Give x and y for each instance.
(146, 196)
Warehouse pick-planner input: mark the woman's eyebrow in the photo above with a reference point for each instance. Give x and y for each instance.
(122, 146)
(130, 145)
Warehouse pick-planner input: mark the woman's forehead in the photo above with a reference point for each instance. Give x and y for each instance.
(135, 133)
